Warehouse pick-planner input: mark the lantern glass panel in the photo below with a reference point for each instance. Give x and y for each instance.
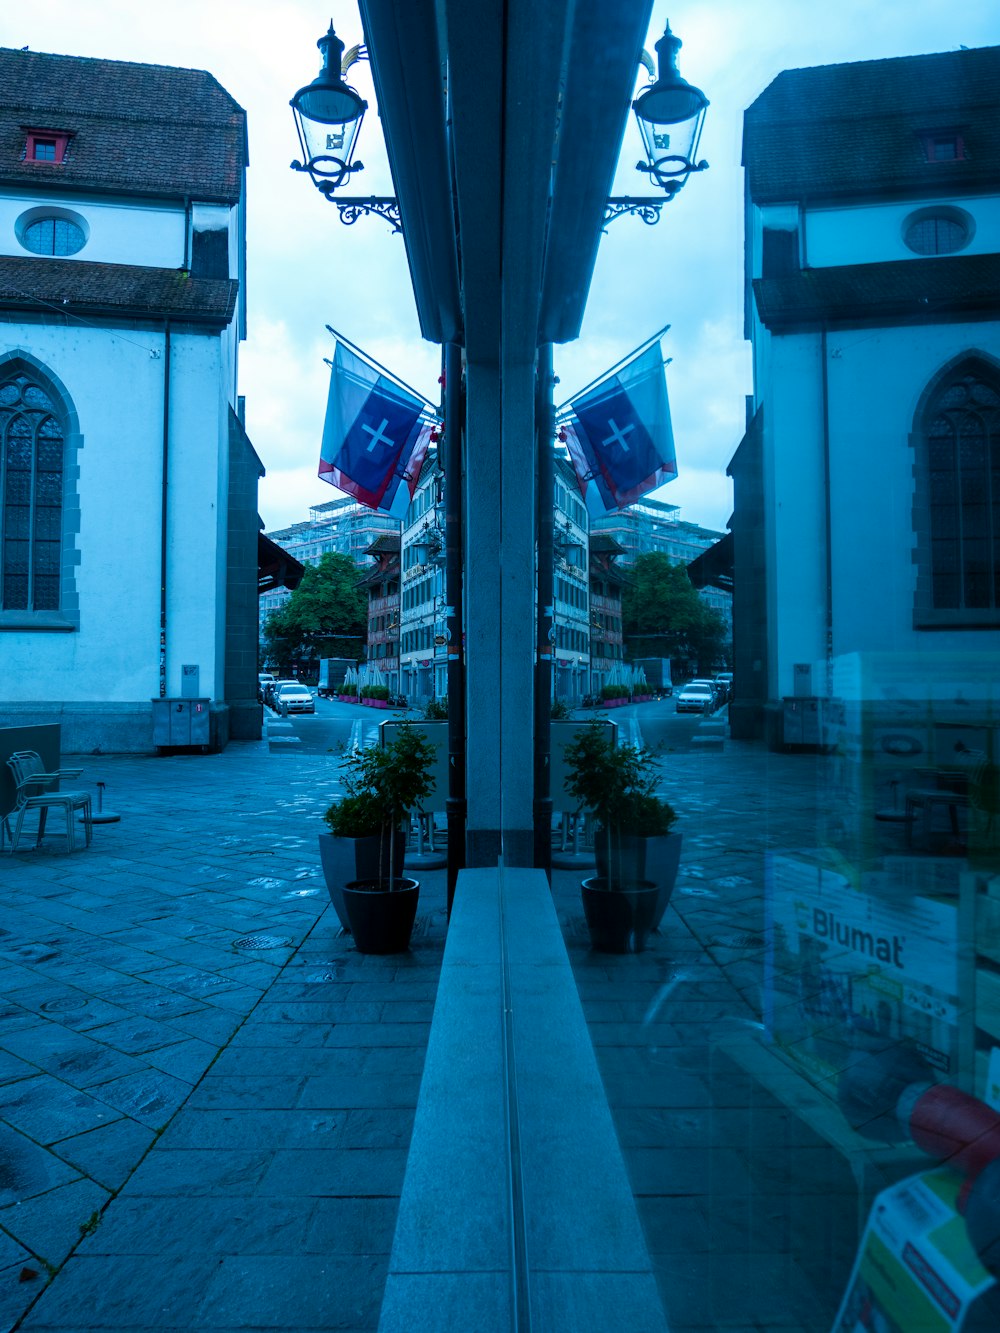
(329, 144)
(669, 143)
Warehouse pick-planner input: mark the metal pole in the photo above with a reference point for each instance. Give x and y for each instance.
(545, 619)
(636, 351)
(455, 805)
(164, 507)
(383, 370)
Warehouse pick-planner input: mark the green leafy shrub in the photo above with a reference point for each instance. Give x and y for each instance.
(384, 783)
(616, 783)
(375, 692)
(354, 817)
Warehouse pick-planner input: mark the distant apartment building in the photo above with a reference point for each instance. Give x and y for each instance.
(652, 525)
(402, 570)
(606, 581)
(381, 584)
(340, 525)
(423, 650)
(570, 589)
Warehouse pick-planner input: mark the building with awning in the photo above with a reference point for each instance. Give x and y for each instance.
(714, 567)
(275, 567)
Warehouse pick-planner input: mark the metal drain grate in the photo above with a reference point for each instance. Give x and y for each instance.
(253, 942)
(736, 942)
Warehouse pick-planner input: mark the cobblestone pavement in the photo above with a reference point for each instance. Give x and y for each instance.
(750, 1216)
(195, 1135)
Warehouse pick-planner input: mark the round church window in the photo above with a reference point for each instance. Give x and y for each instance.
(53, 236)
(938, 231)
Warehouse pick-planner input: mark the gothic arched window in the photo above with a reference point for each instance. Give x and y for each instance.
(31, 497)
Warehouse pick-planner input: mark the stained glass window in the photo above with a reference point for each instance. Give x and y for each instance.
(31, 490)
(962, 428)
(54, 236)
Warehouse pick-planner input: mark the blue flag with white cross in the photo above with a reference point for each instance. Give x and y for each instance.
(619, 436)
(375, 436)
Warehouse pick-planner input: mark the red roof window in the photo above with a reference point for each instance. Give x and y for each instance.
(46, 146)
(943, 145)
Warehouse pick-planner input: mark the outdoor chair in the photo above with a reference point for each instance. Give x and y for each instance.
(35, 791)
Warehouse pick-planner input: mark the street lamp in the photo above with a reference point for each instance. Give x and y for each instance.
(328, 115)
(670, 113)
(428, 545)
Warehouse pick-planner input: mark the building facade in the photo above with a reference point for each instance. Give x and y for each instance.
(606, 582)
(423, 652)
(128, 529)
(873, 455)
(652, 525)
(381, 584)
(340, 525)
(570, 591)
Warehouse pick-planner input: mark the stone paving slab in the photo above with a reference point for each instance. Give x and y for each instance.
(190, 1135)
(734, 1191)
(194, 1136)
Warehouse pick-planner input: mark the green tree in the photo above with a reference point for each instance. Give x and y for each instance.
(326, 615)
(663, 616)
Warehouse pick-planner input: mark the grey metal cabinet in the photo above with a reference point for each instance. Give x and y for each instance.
(180, 722)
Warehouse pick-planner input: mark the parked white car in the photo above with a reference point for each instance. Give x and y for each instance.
(294, 698)
(696, 697)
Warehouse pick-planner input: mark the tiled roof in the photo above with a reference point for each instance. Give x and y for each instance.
(430, 465)
(839, 130)
(73, 286)
(387, 544)
(905, 289)
(275, 567)
(604, 544)
(143, 129)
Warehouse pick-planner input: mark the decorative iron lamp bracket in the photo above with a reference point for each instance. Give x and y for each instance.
(382, 206)
(647, 209)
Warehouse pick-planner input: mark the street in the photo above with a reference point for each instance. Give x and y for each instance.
(336, 726)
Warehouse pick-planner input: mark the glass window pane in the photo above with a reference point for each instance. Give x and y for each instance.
(32, 496)
(15, 591)
(53, 236)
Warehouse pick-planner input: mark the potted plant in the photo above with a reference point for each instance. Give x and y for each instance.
(383, 784)
(351, 850)
(637, 854)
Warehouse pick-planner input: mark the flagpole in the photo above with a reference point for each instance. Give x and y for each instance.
(544, 618)
(617, 366)
(455, 805)
(433, 415)
(383, 369)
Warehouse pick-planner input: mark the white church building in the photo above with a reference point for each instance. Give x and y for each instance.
(867, 489)
(128, 519)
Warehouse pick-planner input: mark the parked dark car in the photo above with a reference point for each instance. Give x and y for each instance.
(725, 680)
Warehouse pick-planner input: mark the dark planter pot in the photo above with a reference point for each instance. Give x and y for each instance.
(381, 922)
(348, 859)
(619, 920)
(657, 859)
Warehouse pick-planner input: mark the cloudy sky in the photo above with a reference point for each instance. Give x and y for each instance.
(306, 270)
